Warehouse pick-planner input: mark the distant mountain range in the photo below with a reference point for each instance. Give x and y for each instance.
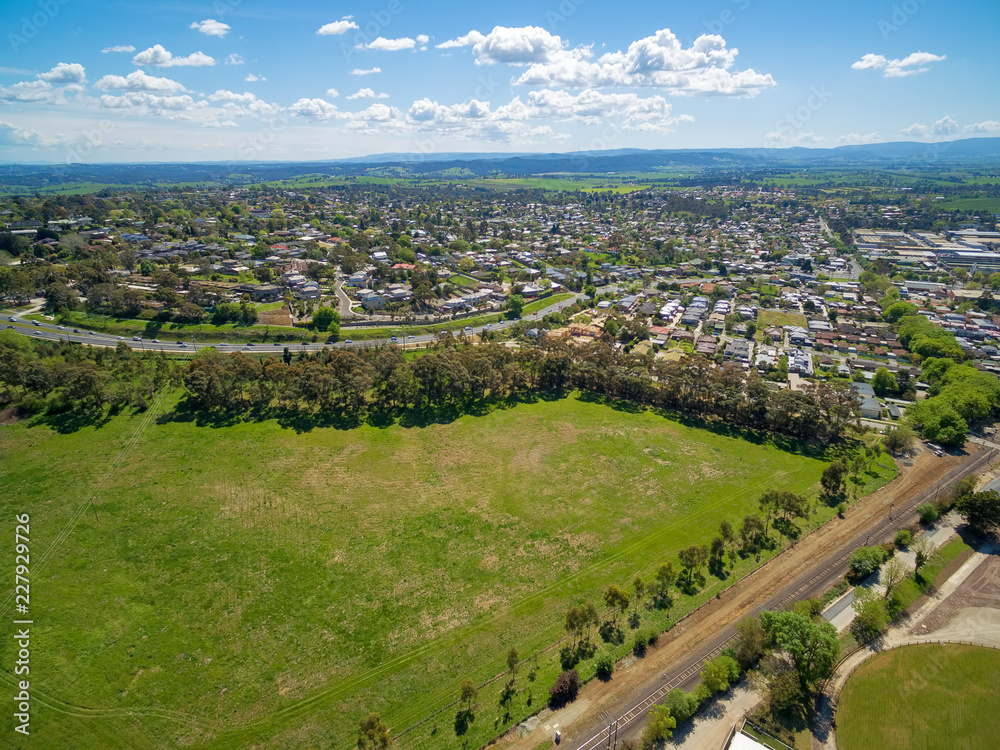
(982, 151)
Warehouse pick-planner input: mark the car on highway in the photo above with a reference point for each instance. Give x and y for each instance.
(348, 341)
(12, 319)
(91, 333)
(156, 341)
(137, 338)
(488, 325)
(35, 323)
(468, 329)
(251, 344)
(9, 325)
(121, 338)
(394, 339)
(77, 330)
(182, 345)
(61, 328)
(305, 343)
(411, 336)
(224, 344)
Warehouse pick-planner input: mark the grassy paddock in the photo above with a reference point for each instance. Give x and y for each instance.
(926, 696)
(266, 583)
(781, 318)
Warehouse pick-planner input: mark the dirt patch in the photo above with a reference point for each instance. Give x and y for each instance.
(980, 589)
(279, 317)
(10, 415)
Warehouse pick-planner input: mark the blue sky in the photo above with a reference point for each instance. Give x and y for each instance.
(93, 81)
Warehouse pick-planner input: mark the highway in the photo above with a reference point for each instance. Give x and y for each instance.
(173, 342)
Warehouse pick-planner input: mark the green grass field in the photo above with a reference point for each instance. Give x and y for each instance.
(267, 583)
(927, 696)
(781, 318)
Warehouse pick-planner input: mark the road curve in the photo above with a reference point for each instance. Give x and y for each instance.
(174, 343)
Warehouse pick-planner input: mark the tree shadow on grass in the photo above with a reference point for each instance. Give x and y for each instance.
(463, 719)
(73, 420)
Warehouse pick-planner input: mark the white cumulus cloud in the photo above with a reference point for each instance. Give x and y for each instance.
(944, 127)
(119, 48)
(658, 61)
(367, 93)
(251, 78)
(159, 57)
(917, 62)
(389, 45)
(986, 126)
(337, 27)
(332, 93)
(315, 109)
(14, 135)
(139, 80)
(856, 139)
(234, 59)
(211, 27)
(65, 73)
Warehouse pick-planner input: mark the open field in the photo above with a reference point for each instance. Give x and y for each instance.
(987, 205)
(268, 582)
(781, 318)
(926, 696)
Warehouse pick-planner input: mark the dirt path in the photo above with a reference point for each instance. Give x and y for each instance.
(805, 569)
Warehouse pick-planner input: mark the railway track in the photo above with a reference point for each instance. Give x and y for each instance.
(814, 583)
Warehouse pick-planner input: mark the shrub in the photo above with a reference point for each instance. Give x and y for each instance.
(928, 513)
(639, 642)
(903, 538)
(841, 509)
(865, 561)
(565, 688)
(659, 727)
(605, 665)
(682, 705)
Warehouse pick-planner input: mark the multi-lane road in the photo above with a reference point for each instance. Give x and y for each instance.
(176, 343)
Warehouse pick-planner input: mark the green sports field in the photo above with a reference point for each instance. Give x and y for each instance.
(922, 697)
(267, 583)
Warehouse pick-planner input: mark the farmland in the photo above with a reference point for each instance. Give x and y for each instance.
(925, 696)
(268, 582)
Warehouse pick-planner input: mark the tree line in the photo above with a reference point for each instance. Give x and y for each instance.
(354, 384)
(59, 376)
